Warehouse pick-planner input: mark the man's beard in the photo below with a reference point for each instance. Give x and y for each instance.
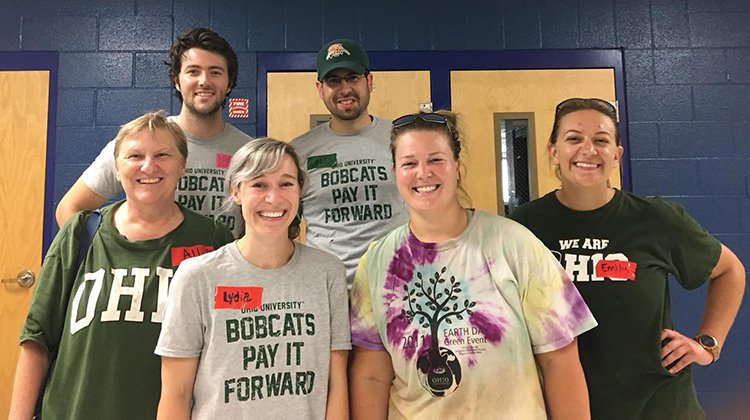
(353, 113)
(204, 114)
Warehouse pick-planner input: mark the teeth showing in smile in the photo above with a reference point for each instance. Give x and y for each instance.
(586, 165)
(271, 214)
(426, 189)
(149, 180)
(204, 94)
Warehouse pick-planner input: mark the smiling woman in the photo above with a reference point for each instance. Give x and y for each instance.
(458, 298)
(619, 249)
(274, 302)
(150, 156)
(76, 311)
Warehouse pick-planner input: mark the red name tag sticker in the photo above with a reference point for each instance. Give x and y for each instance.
(180, 254)
(222, 160)
(616, 269)
(227, 297)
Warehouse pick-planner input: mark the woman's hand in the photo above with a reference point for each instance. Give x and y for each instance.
(680, 351)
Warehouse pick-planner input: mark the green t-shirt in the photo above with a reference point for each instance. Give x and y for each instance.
(619, 256)
(106, 323)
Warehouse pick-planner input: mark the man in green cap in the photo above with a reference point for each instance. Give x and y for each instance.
(351, 199)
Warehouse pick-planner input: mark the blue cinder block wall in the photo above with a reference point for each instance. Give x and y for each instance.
(687, 72)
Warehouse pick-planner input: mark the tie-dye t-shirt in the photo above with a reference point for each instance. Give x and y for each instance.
(463, 319)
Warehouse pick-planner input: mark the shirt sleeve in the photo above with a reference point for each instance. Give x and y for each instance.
(364, 329)
(49, 304)
(339, 308)
(101, 176)
(182, 330)
(554, 311)
(694, 253)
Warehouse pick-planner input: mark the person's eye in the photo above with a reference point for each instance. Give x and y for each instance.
(352, 78)
(288, 184)
(602, 140)
(436, 160)
(258, 185)
(407, 164)
(333, 81)
(217, 73)
(573, 139)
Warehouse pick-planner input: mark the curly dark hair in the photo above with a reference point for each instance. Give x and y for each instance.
(204, 39)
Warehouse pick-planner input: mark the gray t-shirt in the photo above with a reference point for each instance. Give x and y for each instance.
(264, 337)
(351, 199)
(202, 187)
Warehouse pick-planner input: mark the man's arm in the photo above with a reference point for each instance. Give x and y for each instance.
(79, 197)
(97, 184)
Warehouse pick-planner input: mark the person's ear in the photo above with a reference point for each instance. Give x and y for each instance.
(236, 195)
(618, 155)
(552, 150)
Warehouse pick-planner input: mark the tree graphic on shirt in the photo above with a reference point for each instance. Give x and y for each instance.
(431, 303)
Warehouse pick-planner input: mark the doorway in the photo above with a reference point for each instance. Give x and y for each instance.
(28, 84)
(478, 86)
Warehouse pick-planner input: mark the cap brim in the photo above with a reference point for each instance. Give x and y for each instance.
(350, 65)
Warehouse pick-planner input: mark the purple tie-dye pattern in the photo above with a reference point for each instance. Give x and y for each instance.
(399, 273)
(365, 338)
(579, 310)
(396, 326)
(401, 268)
(492, 328)
(559, 328)
(556, 330)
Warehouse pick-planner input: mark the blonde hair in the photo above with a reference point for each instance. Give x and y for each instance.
(153, 121)
(259, 157)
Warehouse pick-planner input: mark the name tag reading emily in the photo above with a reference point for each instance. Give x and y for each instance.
(616, 269)
(229, 297)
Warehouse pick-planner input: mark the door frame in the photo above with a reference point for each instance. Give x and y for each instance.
(441, 63)
(42, 61)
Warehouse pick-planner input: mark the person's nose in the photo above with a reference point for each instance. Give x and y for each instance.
(149, 165)
(588, 147)
(202, 78)
(423, 170)
(272, 195)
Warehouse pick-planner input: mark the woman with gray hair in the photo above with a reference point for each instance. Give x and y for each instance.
(100, 312)
(260, 325)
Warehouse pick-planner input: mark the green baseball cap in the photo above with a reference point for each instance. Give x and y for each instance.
(342, 54)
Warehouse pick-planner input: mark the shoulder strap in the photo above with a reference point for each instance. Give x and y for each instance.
(87, 236)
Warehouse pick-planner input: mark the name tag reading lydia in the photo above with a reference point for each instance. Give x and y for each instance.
(229, 297)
